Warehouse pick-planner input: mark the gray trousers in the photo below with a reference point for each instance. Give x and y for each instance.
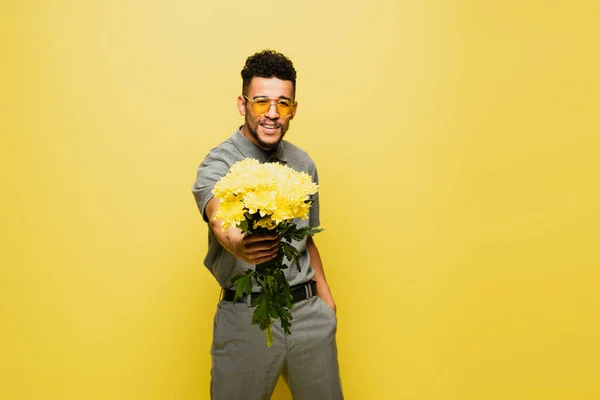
(244, 368)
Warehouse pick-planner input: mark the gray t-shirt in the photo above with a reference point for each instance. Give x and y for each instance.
(222, 264)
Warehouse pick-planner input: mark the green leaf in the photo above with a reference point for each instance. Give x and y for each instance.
(244, 226)
(262, 313)
(243, 284)
(298, 234)
(291, 253)
(314, 231)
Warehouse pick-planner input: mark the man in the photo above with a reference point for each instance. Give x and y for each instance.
(243, 367)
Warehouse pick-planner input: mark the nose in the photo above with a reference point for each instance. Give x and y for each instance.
(272, 113)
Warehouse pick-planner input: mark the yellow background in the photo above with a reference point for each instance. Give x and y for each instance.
(458, 148)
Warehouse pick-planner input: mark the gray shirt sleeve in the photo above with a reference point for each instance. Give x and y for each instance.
(210, 171)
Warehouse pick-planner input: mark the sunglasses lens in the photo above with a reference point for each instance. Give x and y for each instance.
(261, 106)
(285, 108)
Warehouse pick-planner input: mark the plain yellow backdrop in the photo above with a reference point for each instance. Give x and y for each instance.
(458, 149)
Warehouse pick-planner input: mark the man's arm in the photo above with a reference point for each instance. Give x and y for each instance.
(252, 249)
(323, 290)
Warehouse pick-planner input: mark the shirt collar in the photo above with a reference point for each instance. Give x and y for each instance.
(250, 150)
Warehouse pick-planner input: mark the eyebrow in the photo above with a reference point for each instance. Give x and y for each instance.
(266, 97)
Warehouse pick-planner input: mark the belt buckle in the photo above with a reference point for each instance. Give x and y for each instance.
(308, 290)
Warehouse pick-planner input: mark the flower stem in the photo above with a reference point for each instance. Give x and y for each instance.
(269, 334)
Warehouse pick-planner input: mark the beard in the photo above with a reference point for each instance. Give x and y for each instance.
(267, 146)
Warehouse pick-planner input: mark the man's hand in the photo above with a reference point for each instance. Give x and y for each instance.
(253, 249)
(326, 296)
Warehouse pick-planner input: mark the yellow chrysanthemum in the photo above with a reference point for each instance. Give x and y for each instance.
(278, 193)
(231, 213)
(263, 201)
(265, 223)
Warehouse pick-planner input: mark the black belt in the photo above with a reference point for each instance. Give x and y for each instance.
(303, 291)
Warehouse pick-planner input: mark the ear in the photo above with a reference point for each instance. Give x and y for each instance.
(241, 103)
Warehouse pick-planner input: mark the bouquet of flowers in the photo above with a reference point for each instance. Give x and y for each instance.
(265, 198)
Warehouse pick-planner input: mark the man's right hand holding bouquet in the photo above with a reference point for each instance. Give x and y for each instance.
(253, 249)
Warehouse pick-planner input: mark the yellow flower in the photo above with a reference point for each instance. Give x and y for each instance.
(231, 213)
(276, 192)
(265, 223)
(262, 201)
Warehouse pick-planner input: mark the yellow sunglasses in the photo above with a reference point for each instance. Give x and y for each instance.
(262, 105)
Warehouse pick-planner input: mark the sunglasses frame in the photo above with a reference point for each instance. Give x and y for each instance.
(270, 105)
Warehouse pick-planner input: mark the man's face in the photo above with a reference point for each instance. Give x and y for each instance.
(266, 130)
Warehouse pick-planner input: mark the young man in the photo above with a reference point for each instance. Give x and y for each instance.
(243, 367)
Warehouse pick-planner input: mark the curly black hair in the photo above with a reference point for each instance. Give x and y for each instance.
(268, 64)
